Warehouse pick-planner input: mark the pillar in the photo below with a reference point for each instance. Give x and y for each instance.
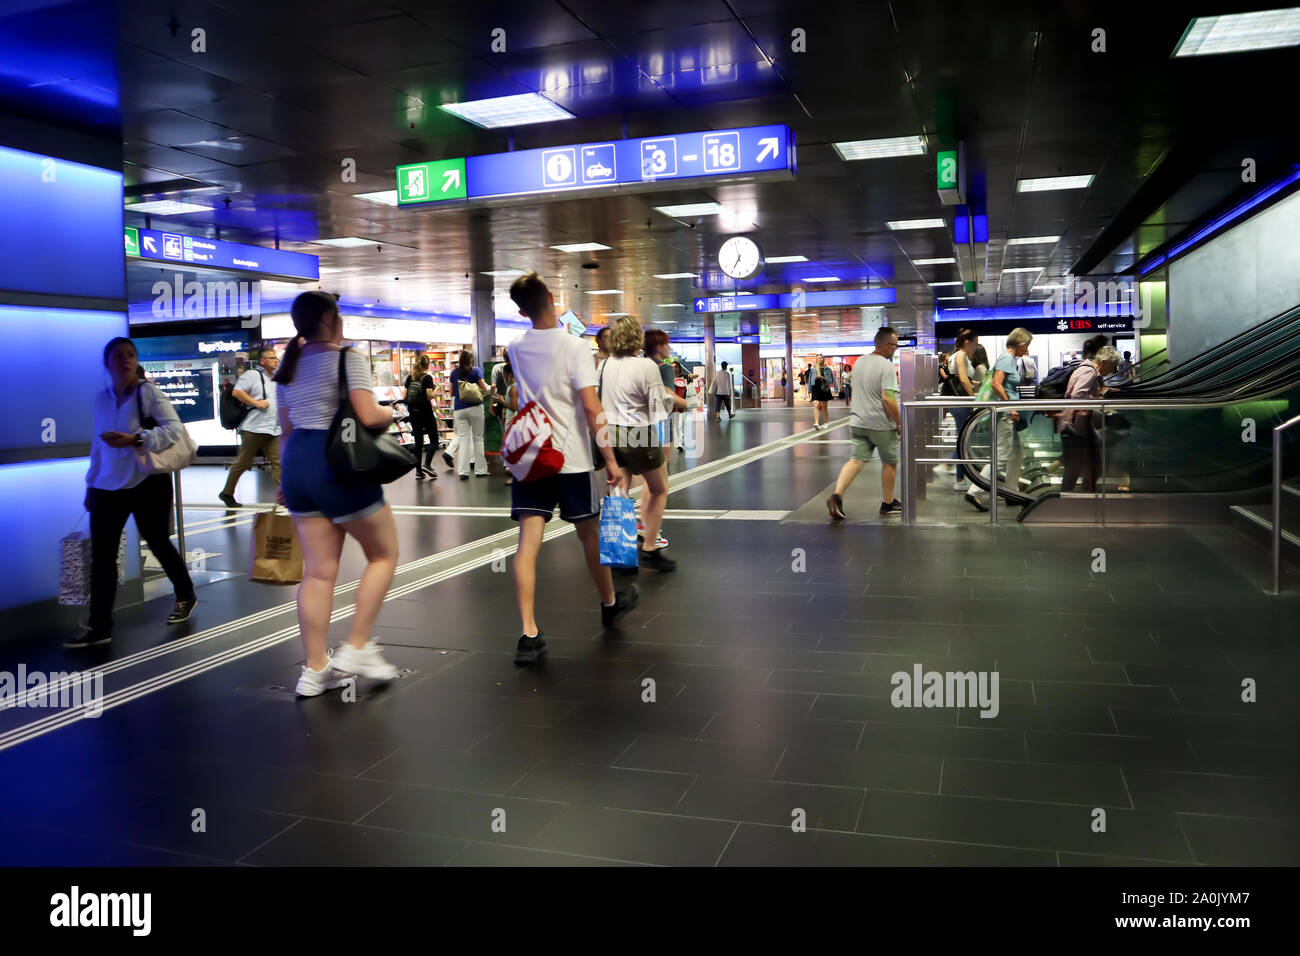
(789, 365)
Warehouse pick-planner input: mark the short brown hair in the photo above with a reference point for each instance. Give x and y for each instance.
(626, 338)
(529, 292)
(655, 339)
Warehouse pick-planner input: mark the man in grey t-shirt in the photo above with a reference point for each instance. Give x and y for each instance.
(259, 432)
(873, 424)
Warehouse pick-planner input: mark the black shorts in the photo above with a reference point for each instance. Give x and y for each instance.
(576, 494)
(821, 392)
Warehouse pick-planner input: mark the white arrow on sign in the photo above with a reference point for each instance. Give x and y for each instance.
(149, 244)
(699, 303)
(769, 145)
(450, 179)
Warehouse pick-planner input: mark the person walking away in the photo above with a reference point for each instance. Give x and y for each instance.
(1006, 387)
(468, 390)
(821, 381)
(419, 407)
(846, 382)
(962, 384)
(636, 400)
(259, 432)
(325, 512)
(130, 414)
(874, 424)
(721, 389)
(551, 368)
(507, 401)
(1079, 448)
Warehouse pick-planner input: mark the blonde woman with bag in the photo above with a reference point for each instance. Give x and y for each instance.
(137, 435)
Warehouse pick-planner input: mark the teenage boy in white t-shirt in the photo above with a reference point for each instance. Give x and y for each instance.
(554, 369)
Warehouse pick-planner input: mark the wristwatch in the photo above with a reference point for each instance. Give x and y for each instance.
(139, 439)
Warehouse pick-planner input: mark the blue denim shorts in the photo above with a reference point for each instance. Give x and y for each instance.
(310, 490)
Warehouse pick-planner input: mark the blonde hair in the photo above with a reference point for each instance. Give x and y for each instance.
(626, 337)
(1019, 337)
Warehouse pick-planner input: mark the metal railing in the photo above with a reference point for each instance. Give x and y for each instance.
(1277, 502)
(906, 461)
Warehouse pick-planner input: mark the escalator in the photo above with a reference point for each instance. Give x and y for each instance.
(1172, 460)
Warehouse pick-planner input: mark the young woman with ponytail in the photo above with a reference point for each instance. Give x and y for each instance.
(324, 512)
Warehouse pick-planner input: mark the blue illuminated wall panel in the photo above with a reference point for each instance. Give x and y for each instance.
(62, 223)
(63, 351)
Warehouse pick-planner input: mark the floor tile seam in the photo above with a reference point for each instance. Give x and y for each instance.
(113, 843)
(271, 839)
(537, 849)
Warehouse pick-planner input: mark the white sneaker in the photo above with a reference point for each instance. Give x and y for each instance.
(944, 469)
(367, 662)
(962, 485)
(313, 683)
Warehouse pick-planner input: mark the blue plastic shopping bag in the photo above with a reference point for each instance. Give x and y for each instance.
(618, 532)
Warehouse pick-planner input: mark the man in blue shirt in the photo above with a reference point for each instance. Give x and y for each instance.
(259, 432)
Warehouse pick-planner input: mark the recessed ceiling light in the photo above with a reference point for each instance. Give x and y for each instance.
(822, 279)
(615, 315)
(933, 262)
(937, 284)
(950, 298)
(1050, 285)
(345, 242)
(1033, 240)
(517, 110)
(505, 273)
(604, 292)
(669, 305)
(772, 259)
(1240, 32)
(1025, 269)
(916, 224)
(691, 209)
(386, 197)
(963, 309)
(676, 275)
(1054, 182)
(580, 247)
(881, 148)
(166, 207)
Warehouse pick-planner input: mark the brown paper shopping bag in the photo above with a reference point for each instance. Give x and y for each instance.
(277, 555)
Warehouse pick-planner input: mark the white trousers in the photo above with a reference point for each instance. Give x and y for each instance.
(469, 440)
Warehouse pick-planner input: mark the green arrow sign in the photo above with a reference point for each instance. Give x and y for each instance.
(947, 169)
(132, 241)
(431, 182)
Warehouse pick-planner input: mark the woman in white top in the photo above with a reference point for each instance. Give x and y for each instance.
(961, 368)
(635, 400)
(324, 511)
(131, 416)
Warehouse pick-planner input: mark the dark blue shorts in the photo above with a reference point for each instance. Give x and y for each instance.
(310, 490)
(576, 494)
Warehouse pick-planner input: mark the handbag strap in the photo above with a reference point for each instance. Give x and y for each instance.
(343, 372)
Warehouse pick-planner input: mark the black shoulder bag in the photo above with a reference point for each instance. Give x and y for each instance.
(359, 455)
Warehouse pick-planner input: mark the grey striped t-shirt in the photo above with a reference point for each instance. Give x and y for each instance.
(312, 398)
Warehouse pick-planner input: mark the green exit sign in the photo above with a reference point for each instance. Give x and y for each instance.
(131, 240)
(946, 168)
(435, 181)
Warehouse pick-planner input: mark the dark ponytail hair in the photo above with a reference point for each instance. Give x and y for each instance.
(308, 311)
(466, 361)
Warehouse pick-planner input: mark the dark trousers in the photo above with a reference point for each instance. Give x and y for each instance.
(1082, 461)
(719, 401)
(959, 417)
(150, 502)
(420, 427)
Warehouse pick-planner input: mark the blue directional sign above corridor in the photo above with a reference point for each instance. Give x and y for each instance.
(786, 300)
(628, 162)
(219, 254)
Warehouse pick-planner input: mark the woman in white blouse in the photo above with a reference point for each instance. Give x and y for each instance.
(130, 415)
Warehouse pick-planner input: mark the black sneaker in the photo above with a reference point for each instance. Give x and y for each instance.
(529, 649)
(656, 560)
(894, 507)
(86, 638)
(835, 505)
(228, 500)
(419, 476)
(448, 460)
(975, 502)
(622, 602)
(182, 610)
(623, 572)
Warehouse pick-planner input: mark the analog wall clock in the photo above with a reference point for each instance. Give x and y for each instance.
(740, 257)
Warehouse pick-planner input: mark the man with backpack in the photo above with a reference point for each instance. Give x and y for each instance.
(554, 374)
(259, 429)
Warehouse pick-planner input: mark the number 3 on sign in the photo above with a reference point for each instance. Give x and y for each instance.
(721, 152)
(658, 158)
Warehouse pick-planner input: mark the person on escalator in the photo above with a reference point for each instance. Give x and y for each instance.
(1006, 387)
(961, 376)
(1077, 427)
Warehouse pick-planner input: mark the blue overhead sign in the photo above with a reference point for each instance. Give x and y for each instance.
(197, 252)
(630, 162)
(786, 300)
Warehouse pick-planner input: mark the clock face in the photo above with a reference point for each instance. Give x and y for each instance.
(740, 258)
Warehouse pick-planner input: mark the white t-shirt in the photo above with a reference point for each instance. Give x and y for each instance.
(970, 370)
(632, 391)
(552, 367)
(873, 375)
(312, 398)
